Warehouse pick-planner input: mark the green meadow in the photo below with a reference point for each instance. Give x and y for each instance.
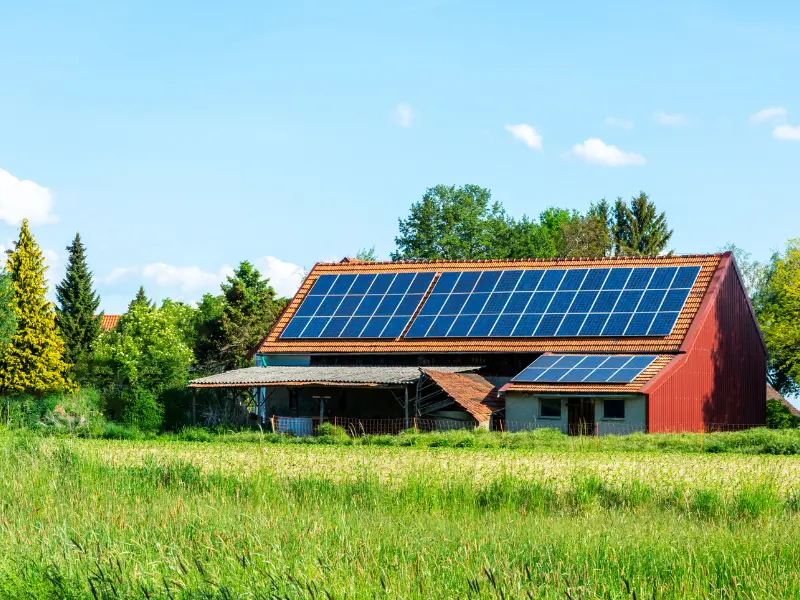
(235, 517)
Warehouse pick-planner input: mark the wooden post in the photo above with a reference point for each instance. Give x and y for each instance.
(502, 430)
(405, 389)
(597, 432)
(415, 425)
(334, 428)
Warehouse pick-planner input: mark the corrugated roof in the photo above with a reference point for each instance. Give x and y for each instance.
(470, 393)
(602, 388)
(324, 376)
(708, 263)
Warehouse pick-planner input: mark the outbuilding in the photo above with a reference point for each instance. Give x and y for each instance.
(606, 345)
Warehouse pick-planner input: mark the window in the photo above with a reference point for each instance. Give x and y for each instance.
(550, 408)
(613, 409)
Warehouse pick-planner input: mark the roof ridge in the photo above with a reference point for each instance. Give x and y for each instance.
(521, 260)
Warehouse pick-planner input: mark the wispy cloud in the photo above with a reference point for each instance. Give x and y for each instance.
(595, 150)
(403, 115)
(769, 115)
(526, 134)
(787, 132)
(670, 120)
(23, 199)
(621, 123)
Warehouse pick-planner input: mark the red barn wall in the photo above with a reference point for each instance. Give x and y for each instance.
(721, 378)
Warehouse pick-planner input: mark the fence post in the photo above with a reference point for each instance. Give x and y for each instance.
(502, 429)
(334, 428)
(415, 425)
(597, 433)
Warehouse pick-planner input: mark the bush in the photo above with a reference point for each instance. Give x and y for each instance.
(334, 431)
(141, 410)
(779, 416)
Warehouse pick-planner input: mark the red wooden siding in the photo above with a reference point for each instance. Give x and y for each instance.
(720, 379)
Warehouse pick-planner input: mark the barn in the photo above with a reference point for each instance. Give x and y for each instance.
(605, 345)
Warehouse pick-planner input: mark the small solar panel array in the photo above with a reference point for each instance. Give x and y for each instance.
(572, 368)
(608, 302)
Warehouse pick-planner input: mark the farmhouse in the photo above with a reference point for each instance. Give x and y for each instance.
(608, 345)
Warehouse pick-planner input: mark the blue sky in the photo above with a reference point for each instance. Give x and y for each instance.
(181, 138)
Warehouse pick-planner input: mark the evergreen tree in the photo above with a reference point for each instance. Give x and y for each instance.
(77, 308)
(140, 299)
(8, 320)
(639, 229)
(34, 360)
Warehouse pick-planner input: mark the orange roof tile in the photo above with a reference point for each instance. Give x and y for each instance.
(470, 393)
(708, 263)
(628, 388)
(108, 322)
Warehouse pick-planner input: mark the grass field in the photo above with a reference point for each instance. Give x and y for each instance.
(85, 518)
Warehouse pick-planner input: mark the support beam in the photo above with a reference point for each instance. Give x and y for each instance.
(405, 389)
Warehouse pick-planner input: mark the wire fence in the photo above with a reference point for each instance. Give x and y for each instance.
(355, 427)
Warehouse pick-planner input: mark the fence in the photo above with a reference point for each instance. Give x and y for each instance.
(307, 426)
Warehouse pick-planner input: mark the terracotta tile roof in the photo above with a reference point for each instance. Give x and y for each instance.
(627, 388)
(618, 345)
(470, 393)
(108, 322)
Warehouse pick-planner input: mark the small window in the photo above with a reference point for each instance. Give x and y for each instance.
(550, 407)
(613, 409)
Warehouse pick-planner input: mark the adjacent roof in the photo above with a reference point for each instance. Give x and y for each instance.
(602, 388)
(348, 376)
(471, 393)
(108, 322)
(773, 394)
(616, 345)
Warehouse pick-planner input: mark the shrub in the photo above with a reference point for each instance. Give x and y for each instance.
(780, 417)
(141, 410)
(333, 431)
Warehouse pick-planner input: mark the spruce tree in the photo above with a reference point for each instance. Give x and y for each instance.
(640, 230)
(34, 362)
(140, 299)
(77, 308)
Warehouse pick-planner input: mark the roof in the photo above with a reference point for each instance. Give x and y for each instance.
(773, 394)
(470, 392)
(347, 376)
(633, 387)
(108, 322)
(655, 345)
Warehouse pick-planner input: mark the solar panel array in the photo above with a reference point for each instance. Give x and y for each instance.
(644, 301)
(359, 306)
(569, 368)
(598, 302)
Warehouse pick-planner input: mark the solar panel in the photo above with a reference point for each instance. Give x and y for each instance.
(620, 301)
(571, 368)
(366, 305)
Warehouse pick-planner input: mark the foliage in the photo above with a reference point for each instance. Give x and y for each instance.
(146, 350)
(140, 299)
(639, 229)
(77, 307)
(33, 362)
(367, 254)
(780, 417)
(8, 319)
(250, 309)
(141, 409)
(208, 331)
(183, 318)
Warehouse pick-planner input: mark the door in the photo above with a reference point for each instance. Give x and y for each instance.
(580, 416)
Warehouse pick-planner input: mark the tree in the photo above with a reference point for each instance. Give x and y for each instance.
(77, 309)
(146, 350)
(251, 308)
(639, 229)
(777, 306)
(367, 254)
(780, 417)
(140, 299)
(8, 320)
(208, 332)
(33, 362)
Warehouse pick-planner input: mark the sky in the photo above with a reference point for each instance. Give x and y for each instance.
(181, 138)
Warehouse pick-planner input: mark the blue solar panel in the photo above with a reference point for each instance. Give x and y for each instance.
(619, 301)
(568, 368)
(366, 306)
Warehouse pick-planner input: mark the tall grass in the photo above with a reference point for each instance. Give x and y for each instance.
(154, 519)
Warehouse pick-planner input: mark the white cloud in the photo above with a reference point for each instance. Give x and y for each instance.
(119, 273)
(596, 151)
(670, 120)
(284, 276)
(526, 134)
(787, 132)
(186, 278)
(20, 199)
(50, 256)
(621, 123)
(769, 115)
(403, 115)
